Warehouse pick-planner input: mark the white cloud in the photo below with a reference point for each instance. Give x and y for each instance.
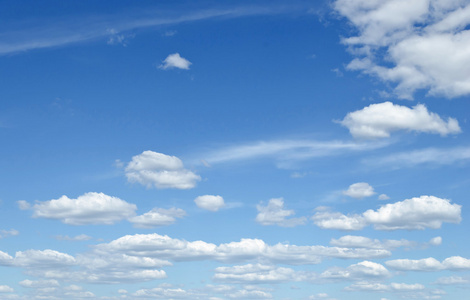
(275, 214)
(333, 220)
(456, 263)
(436, 241)
(164, 247)
(359, 190)
(5, 233)
(161, 171)
(6, 289)
(89, 208)
(365, 269)
(175, 61)
(351, 241)
(258, 273)
(210, 202)
(157, 217)
(414, 213)
(383, 197)
(39, 283)
(81, 237)
(411, 214)
(420, 44)
(381, 119)
(380, 287)
(451, 280)
(444, 156)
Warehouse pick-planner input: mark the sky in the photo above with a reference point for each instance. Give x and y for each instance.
(235, 149)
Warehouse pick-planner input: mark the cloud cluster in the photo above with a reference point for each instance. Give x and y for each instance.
(275, 214)
(421, 44)
(411, 214)
(381, 119)
(161, 171)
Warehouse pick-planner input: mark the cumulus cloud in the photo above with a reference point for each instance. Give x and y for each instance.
(210, 202)
(165, 247)
(335, 220)
(381, 119)
(352, 241)
(411, 214)
(161, 171)
(157, 217)
(6, 289)
(415, 213)
(365, 269)
(175, 61)
(419, 44)
(451, 280)
(383, 197)
(455, 263)
(275, 214)
(380, 287)
(359, 190)
(89, 208)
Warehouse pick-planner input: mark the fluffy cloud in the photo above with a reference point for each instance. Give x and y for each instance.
(175, 61)
(89, 208)
(333, 220)
(6, 289)
(412, 214)
(351, 241)
(379, 287)
(210, 202)
(275, 214)
(455, 263)
(381, 119)
(452, 280)
(365, 269)
(164, 247)
(157, 217)
(359, 190)
(161, 171)
(419, 44)
(258, 273)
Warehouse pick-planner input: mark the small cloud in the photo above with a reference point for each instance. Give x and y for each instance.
(275, 214)
(436, 241)
(383, 197)
(81, 237)
(359, 190)
(210, 202)
(115, 38)
(337, 72)
(175, 61)
(170, 33)
(118, 164)
(6, 233)
(157, 217)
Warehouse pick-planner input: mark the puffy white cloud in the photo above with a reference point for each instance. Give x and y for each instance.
(455, 263)
(365, 269)
(359, 190)
(164, 247)
(210, 202)
(380, 287)
(258, 273)
(89, 208)
(381, 119)
(39, 283)
(175, 61)
(334, 220)
(411, 214)
(43, 258)
(406, 287)
(436, 241)
(383, 197)
(275, 214)
(157, 217)
(6, 289)
(414, 213)
(161, 171)
(165, 293)
(420, 44)
(351, 241)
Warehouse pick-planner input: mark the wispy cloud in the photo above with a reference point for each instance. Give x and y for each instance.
(288, 150)
(79, 29)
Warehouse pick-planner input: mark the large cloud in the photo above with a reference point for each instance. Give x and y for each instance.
(422, 44)
(411, 214)
(161, 171)
(89, 208)
(381, 119)
(275, 214)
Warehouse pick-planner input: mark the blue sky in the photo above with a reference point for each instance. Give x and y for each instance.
(234, 150)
